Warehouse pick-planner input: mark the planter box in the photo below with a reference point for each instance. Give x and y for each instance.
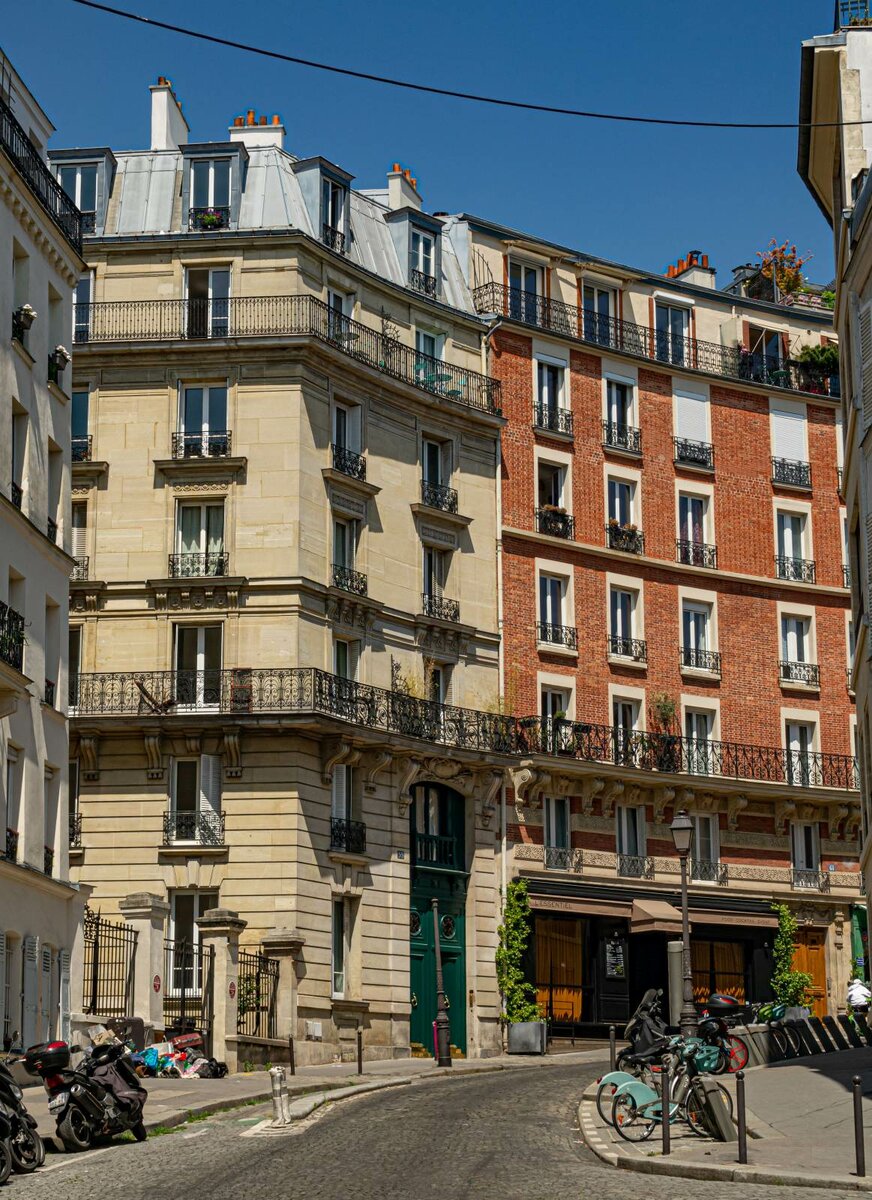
(528, 1037)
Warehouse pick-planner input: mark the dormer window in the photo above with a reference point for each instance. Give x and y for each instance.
(86, 177)
(80, 184)
(210, 194)
(423, 263)
(333, 200)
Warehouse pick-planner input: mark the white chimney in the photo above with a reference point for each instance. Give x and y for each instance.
(256, 133)
(169, 129)
(402, 189)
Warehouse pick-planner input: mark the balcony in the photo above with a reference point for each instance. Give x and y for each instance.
(48, 694)
(552, 419)
(75, 831)
(787, 472)
(846, 576)
(89, 223)
(555, 522)
(806, 674)
(284, 316)
(809, 881)
(563, 858)
(81, 448)
(632, 648)
(214, 444)
(437, 495)
(81, 569)
(348, 462)
(639, 341)
(699, 455)
(626, 538)
(11, 846)
(424, 283)
(693, 659)
(436, 850)
(798, 570)
(557, 635)
(11, 637)
(696, 554)
(852, 13)
(349, 836)
(440, 607)
(625, 438)
(16, 494)
(196, 566)
(51, 529)
(47, 860)
(636, 866)
(704, 871)
(204, 827)
(349, 580)
(209, 219)
(333, 238)
(39, 178)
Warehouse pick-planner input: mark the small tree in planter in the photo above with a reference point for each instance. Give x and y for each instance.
(790, 987)
(521, 1013)
(663, 719)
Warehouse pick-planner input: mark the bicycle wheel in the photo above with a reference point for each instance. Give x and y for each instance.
(693, 1111)
(739, 1054)
(604, 1097)
(779, 1043)
(793, 1040)
(632, 1124)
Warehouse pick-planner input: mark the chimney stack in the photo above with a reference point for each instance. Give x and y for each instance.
(693, 269)
(257, 133)
(169, 129)
(403, 189)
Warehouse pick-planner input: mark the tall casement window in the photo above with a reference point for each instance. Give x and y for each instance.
(82, 298)
(524, 291)
(672, 331)
(799, 739)
(766, 351)
(333, 200)
(79, 181)
(422, 262)
(793, 560)
(435, 570)
(625, 719)
(79, 545)
(623, 639)
(208, 301)
(621, 494)
(795, 639)
(630, 839)
(706, 848)
(788, 427)
(698, 726)
(697, 651)
(552, 606)
(436, 462)
(557, 829)
(428, 346)
(346, 427)
(692, 440)
(198, 666)
(75, 663)
(620, 414)
(203, 428)
(554, 703)
(343, 543)
(598, 306)
(186, 962)
(805, 845)
(339, 947)
(200, 540)
(195, 813)
(692, 518)
(210, 193)
(550, 380)
(80, 443)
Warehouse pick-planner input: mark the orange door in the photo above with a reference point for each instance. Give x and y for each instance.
(558, 968)
(811, 957)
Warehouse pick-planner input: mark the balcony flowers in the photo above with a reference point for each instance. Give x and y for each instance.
(210, 218)
(60, 357)
(25, 316)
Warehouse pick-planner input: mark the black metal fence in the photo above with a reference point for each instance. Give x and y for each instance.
(39, 178)
(258, 986)
(110, 952)
(11, 636)
(189, 972)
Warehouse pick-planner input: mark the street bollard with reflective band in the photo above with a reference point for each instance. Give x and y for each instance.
(612, 1050)
(277, 1083)
(292, 1058)
(859, 1143)
(665, 1105)
(740, 1116)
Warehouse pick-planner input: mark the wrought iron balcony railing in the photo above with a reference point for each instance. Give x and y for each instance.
(215, 443)
(312, 692)
(283, 316)
(27, 160)
(16, 493)
(51, 529)
(696, 554)
(814, 881)
(11, 845)
(437, 850)
(694, 659)
(640, 341)
(439, 606)
(48, 694)
(636, 866)
(193, 566)
(11, 637)
(437, 495)
(799, 672)
(846, 575)
(349, 580)
(627, 538)
(557, 635)
(212, 217)
(89, 223)
(789, 473)
(334, 238)
(622, 437)
(623, 647)
(205, 827)
(47, 860)
(555, 420)
(422, 282)
(554, 522)
(563, 858)
(800, 570)
(693, 454)
(80, 570)
(705, 871)
(75, 830)
(852, 13)
(349, 836)
(80, 447)
(349, 462)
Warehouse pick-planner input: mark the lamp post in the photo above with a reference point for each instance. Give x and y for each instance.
(443, 1025)
(682, 835)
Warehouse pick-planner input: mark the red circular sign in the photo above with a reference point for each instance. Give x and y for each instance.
(156, 983)
(232, 989)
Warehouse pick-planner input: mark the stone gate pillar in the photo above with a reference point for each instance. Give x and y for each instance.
(220, 929)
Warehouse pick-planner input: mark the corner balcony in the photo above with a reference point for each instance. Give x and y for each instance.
(790, 473)
(347, 836)
(38, 178)
(626, 439)
(204, 320)
(626, 538)
(204, 827)
(798, 570)
(698, 455)
(196, 566)
(555, 522)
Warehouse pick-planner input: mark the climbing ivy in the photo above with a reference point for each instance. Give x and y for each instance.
(790, 987)
(514, 934)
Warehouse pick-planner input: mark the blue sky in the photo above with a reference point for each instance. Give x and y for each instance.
(641, 195)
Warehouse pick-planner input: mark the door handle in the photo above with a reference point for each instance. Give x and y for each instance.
(414, 1000)
(447, 1000)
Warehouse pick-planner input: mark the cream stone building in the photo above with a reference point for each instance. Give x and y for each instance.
(40, 242)
(285, 452)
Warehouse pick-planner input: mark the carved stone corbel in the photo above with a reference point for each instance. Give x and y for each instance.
(193, 743)
(735, 805)
(491, 782)
(231, 753)
(525, 780)
(632, 794)
(835, 816)
(614, 791)
(88, 755)
(154, 756)
(410, 769)
(335, 750)
(785, 810)
(853, 823)
(375, 762)
(663, 797)
(685, 798)
(590, 789)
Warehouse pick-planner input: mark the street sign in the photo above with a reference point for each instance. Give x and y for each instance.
(156, 983)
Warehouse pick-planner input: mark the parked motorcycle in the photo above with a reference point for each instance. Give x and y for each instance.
(99, 1098)
(25, 1144)
(645, 1031)
(5, 1144)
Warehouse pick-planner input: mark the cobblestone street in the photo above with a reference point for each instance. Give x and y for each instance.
(504, 1135)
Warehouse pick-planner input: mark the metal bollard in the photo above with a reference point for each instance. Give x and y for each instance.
(279, 1095)
(740, 1116)
(292, 1058)
(666, 1105)
(613, 1057)
(359, 1050)
(859, 1143)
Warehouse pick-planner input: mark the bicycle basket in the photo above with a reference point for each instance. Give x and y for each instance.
(706, 1057)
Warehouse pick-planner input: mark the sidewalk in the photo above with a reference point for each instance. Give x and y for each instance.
(800, 1125)
(172, 1101)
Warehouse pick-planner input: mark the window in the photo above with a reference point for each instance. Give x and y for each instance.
(696, 650)
(82, 308)
(339, 308)
(13, 791)
(795, 639)
(598, 306)
(706, 847)
(203, 421)
(524, 290)
(186, 908)
(550, 380)
(551, 478)
(343, 660)
(437, 683)
(672, 325)
(208, 297)
(691, 421)
(630, 836)
(435, 570)
(555, 703)
(18, 453)
(799, 736)
(210, 190)
(622, 625)
(805, 848)
(792, 561)
(338, 944)
(625, 716)
(198, 666)
(79, 444)
(196, 800)
(552, 598)
(200, 541)
(80, 183)
(74, 815)
(619, 405)
(343, 543)
(75, 663)
(557, 834)
(342, 789)
(692, 511)
(620, 498)
(788, 430)
(426, 344)
(698, 725)
(766, 352)
(436, 462)
(346, 427)
(423, 261)
(333, 198)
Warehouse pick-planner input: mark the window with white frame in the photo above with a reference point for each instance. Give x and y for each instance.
(187, 906)
(436, 461)
(200, 540)
(698, 731)
(344, 658)
(692, 514)
(203, 422)
(706, 853)
(438, 682)
(554, 702)
(342, 792)
(423, 254)
(552, 606)
(208, 301)
(198, 667)
(851, 646)
(428, 346)
(550, 383)
(630, 839)
(551, 481)
(195, 808)
(791, 528)
(598, 310)
(79, 181)
(620, 405)
(806, 854)
(697, 652)
(557, 828)
(691, 425)
(799, 737)
(525, 286)
(344, 540)
(346, 427)
(339, 947)
(210, 186)
(79, 545)
(789, 439)
(621, 501)
(795, 642)
(672, 329)
(334, 196)
(82, 298)
(435, 570)
(622, 624)
(625, 722)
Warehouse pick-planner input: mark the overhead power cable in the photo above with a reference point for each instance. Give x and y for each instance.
(473, 97)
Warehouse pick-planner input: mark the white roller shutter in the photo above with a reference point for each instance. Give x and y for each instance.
(691, 418)
(80, 530)
(64, 995)
(788, 431)
(339, 808)
(30, 979)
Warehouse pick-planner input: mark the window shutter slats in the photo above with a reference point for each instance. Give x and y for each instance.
(869, 563)
(3, 1012)
(64, 995)
(866, 357)
(691, 418)
(210, 783)
(29, 989)
(788, 432)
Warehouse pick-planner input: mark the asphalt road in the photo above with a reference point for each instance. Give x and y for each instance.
(500, 1136)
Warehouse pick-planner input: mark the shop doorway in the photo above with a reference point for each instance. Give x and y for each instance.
(559, 976)
(718, 967)
(811, 957)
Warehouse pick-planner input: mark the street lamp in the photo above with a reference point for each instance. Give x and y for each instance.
(682, 835)
(443, 1025)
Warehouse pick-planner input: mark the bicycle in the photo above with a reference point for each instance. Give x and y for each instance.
(637, 1109)
(783, 1037)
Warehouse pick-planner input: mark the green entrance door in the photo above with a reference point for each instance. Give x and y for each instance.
(422, 942)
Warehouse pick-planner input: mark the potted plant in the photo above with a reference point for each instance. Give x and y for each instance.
(211, 218)
(789, 987)
(526, 1032)
(25, 316)
(60, 356)
(663, 715)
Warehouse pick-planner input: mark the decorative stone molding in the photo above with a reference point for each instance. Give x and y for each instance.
(437, 639)
(231, 753)
(785, 810)
(590, 789)
(854, 823)
(527, 781)
(663, 797)
(350, 612)
(172, 595)
(85, 596)
(89, 743)
(410, 768)
(374, 763)
(348, 505)
(193, 742)
(735, 805)
(153, 755)
(335, 750)
(489, 783)
(835, 817)
(529, 852)
(215, 487)
(614, 791)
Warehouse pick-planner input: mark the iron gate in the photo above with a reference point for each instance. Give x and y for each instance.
(256, 998)
(110, 953)
(188, 982)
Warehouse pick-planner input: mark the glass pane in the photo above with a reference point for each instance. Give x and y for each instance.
(340, 544)
(183, 916)
(432, 462)
(340, 427)
(79, 416)
(192, 410)
(88, 188)
(187, 796)
(186, 648)
(340, 659)
(217, 409)
(221, 183)
(200, 181)
(190, 529)
(215, 528)
(212, 648)
(68, 181)
(220, 283)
